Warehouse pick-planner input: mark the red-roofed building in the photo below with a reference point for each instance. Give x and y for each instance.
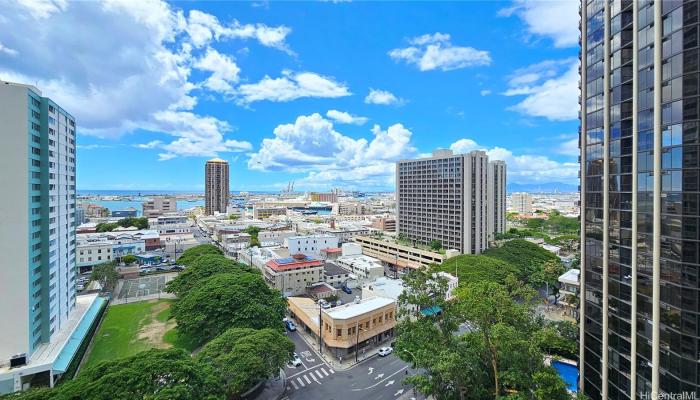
(292, 275)
(331, 253)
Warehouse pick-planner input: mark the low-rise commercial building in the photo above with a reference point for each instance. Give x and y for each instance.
(293, 275)
(384, 224)
(267, 212)
(569, 284)
(335, 275)
(365, 268)
(170, 224)
(91, 253)
(125, 213)
(310, 245)
(348, 327)
(159, 205)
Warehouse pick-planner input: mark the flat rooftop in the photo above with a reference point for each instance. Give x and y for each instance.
(351, 310)
(57, 354)
(332, 269)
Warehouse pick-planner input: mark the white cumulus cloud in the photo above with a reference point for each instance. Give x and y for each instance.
(132, 66)
(291, 86)
(435, 51)
(377, 96)
(550, 89)
(557, 20)
(524, 168)
(313, 146)
(343, 117)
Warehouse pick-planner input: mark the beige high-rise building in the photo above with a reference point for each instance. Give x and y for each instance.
(445, 198)
(216, 186)
(497, 197)
(521, 203)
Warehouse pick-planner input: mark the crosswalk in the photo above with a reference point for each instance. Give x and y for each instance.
(309, 377)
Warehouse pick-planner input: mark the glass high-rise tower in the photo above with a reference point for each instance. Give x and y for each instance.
(640, 188)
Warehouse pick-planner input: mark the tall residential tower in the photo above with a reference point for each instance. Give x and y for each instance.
(640, 232)
(216, 186)
(446, 198)
(497, 197)
(37, 210)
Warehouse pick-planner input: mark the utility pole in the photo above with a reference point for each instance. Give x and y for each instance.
(357, 340)
(320, 338)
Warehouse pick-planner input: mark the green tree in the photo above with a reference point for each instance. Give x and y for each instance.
(535, 223)
(202, 268)
(473, 268)
(527, 257)
(233, 217)
(192, 253)
(549, 386)
(226, 301)
(129, 259)
(106, 226)
(548, 274)
(154, 374)
(242, 357)
(105, 274)
(435, 245)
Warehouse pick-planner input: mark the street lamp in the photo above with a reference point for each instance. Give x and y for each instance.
(357, 339)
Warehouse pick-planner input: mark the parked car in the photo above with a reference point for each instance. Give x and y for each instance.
(339, 303)
(290, 326)
(347, 290)
(295, 361)
(176, 268)
(162, 268)
(384, 351)
(80, 287)
(325, 305)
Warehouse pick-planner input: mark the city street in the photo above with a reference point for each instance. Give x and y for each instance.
(373, 379)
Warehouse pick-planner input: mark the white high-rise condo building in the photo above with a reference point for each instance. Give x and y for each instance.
(497, 197)
(446, 198)
(640, 199)
(38, 304)
(216, 186)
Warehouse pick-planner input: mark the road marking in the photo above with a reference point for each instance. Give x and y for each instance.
(399, 392)
(314, 378)
(295, 385)
(389, 383)
(370, 371)
(380, 376)
(370, 387)
(324, 372)
(331, 370)
(306, 378)
(300, 382)
(319, 374)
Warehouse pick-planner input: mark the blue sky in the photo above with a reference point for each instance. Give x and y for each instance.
(326, 94)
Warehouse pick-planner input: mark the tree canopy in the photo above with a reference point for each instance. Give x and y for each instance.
(140, 223)
(474, 268)
(192, 253)
(493, 357)
(105, 274)
(242, 356)
(201, 268)
(527, 257)
(154, 374)
(226, 301)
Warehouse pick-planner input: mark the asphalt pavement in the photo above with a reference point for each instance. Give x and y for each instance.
(376, 378)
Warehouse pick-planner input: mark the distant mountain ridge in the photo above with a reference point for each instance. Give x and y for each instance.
(545, 187)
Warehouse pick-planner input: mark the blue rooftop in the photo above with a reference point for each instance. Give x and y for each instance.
(290, 260)
(71, 347)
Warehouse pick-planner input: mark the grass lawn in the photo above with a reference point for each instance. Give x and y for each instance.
(130, 328)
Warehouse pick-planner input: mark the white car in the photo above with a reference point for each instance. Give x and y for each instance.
(384, 351)
(295, 361)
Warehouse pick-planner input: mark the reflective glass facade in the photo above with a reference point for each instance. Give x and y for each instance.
(639, 194)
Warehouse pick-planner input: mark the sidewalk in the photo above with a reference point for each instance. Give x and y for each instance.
(365, 354)
(274, 388)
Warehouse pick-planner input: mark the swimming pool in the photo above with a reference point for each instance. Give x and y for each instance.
(567, 372)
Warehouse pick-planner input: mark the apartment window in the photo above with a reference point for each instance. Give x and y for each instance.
(339, 332)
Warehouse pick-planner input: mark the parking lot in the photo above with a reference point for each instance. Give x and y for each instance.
(144, 286)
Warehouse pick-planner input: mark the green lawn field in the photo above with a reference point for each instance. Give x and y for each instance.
(130, 328)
